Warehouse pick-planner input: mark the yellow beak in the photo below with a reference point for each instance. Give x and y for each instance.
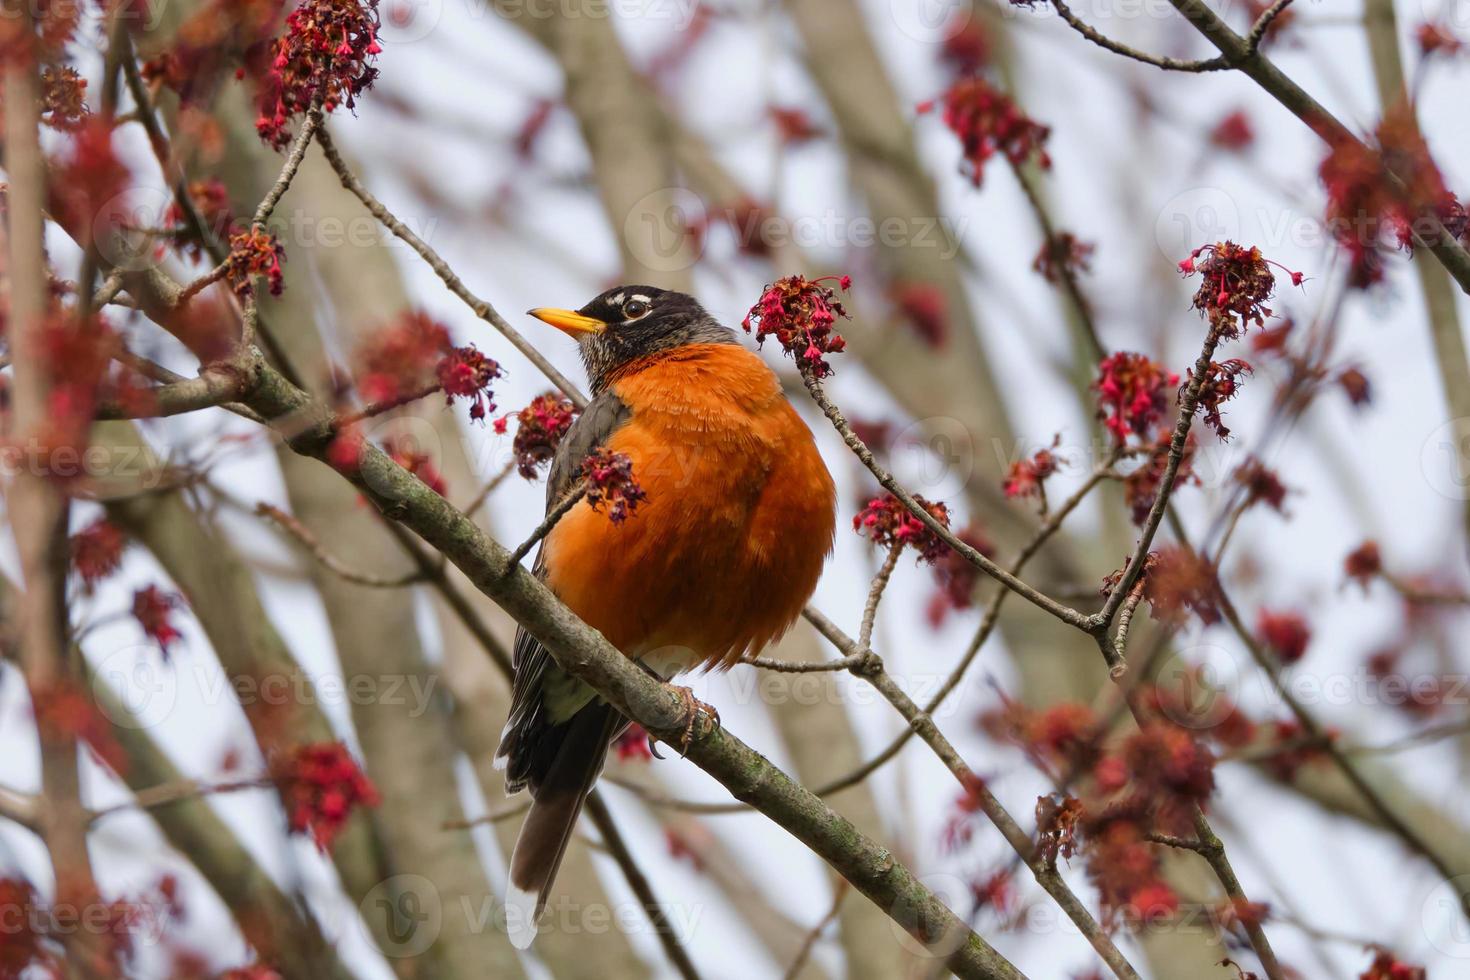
(568, 321)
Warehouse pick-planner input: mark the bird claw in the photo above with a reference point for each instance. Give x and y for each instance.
(694, 709)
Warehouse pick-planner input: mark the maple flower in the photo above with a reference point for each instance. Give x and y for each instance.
(1386, 966)
(793, 125)
(1284, 634)
(925, 310)
(346, 448)
(211, 200)
(1235, 284)
(1063, 255)
(87, 184)
(632, 745)
(63, 709)
(255, 252)
(151, 608)
(1233, 133)
(800, 313)
(1364, 564)
(1437, 38)
(610, 481)
(987, 121)
(63, 91)
(1141, 486)
(955, 577)
(1027, 477)
(1382, 194)
(402, 359)
(1356, 386)
(466, 373)
(406, 453)
(1131, 394)
(1262, 485)
(325, 54)
(887, 523)
(967, 45)
(539, 430)
(25, 945)
(96, 552)
(1222, 382)
(1178, 582)
(320, 784)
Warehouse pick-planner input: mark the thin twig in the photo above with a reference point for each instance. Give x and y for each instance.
(480, 307)
(187, 789)
(1066, 614)
(303, 535)
(1218, 63)
(612, 839)
(563, 506)
(798, 962)
(490, 487)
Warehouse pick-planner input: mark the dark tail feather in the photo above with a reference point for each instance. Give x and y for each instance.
(548, 826)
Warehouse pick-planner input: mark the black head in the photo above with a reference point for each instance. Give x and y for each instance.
(627, 323)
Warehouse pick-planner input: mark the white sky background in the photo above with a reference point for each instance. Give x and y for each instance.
(1117, 182)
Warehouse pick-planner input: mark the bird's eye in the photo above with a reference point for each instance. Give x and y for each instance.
(635, 309)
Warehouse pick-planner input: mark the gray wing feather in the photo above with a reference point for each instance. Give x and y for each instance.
(519, 743)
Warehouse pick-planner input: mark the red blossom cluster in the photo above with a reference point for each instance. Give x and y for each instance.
(1141, 486)
(1132, 394)
(152, 608)
(211, 202)
(793, 125)
(63, 97)
(407, 454)
(1364, 563)
(63, 710)
(1235, 283)
(88, 183)
(924, 309)
(325, 55)
(632, 745)
(412, 357)
(955, 576)
(539, 429)
(1356, 386)
(1144, 783)
(221, 36)
(77, 355)
(1063, 255)
(1221, 383)
(401, 360)
(1388, 193)
(1177, 582)
(988, 121)
(320, 784)
(800, 313)
(967, 45)
(610, 482)
(1233, 133)
(1386, 966)
(1437, 38)
(887, 523)
(25, 946)
(1027, 477)
(255, 252)
(96, 552)
(1261, 484)
(464, 372)
(1285, 635)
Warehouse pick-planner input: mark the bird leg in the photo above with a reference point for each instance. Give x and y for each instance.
(694, 710)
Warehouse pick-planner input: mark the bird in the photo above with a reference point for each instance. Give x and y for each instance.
(716, 561)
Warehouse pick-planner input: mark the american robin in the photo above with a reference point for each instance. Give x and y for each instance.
(715, 562)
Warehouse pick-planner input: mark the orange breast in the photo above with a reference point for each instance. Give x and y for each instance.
(739, 518)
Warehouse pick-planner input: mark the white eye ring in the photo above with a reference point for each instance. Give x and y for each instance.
(636, 309)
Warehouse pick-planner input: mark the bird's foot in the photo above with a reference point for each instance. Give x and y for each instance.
(695, 710)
